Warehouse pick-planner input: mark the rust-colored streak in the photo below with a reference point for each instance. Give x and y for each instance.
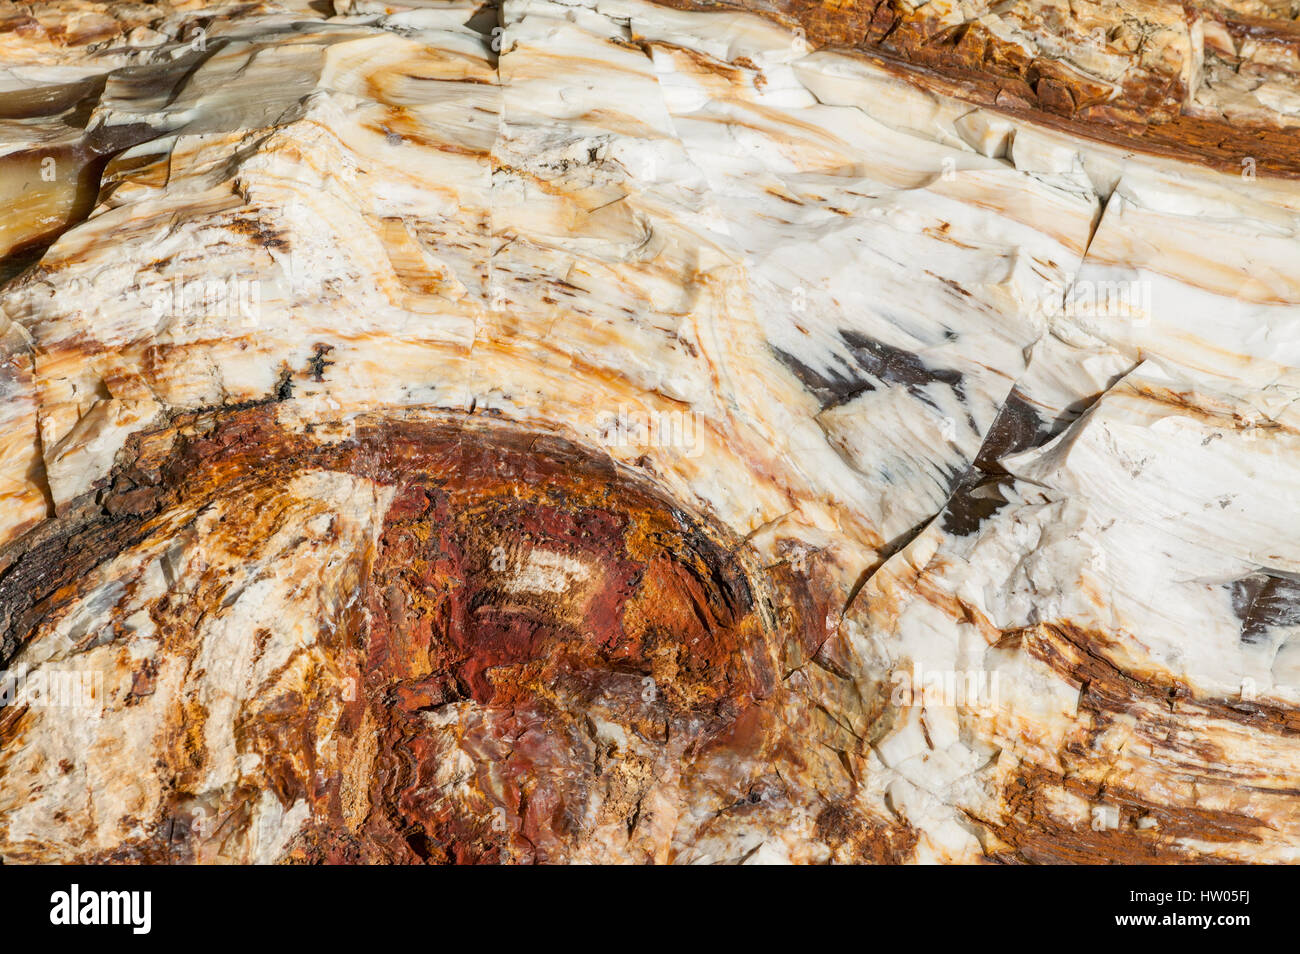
(1146, 112)
(1033, 833)
(528, 587)
(521, 591)
(1156, 717)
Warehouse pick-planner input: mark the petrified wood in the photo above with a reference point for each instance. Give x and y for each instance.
(615, 431)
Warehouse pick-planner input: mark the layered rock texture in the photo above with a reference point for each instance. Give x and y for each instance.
(609, 431)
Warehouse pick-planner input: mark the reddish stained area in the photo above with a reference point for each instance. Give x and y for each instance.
(480, 574)
(539, 645)
(529, 597)
(441, 592)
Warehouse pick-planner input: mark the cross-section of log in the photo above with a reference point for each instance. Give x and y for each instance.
(619, 431)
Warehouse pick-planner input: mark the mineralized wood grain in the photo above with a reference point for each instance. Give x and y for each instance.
(629, 432)
(1212, 82)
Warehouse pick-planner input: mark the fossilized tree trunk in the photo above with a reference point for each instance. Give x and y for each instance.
(619, 431)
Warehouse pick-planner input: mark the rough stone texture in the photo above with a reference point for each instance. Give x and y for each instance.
(603, 431)
(1214, 81)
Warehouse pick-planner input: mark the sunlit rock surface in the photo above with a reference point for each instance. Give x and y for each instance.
(603, 431)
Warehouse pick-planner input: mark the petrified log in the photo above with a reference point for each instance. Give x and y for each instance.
(629, 432)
